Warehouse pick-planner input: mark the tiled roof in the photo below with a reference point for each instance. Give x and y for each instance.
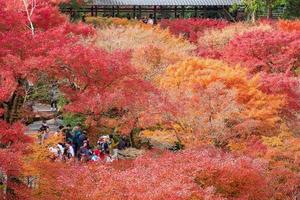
(166, 2)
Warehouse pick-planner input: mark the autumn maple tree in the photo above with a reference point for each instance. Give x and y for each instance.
(192, 29)
(236, 116)
(216, 98)
(24, 42)
(190, 174)
(275, 56)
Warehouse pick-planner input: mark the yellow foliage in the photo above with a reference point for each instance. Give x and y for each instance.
(236, 146)
(272, 141)
(40, 152)
(103, 22)
(168, 136)
(277, 141)
(153, 49)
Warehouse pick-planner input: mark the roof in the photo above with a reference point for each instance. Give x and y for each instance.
(166, 2)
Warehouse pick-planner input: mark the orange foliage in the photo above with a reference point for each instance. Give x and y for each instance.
(287, 25)
(235, 97)
(40, 152)
(103, 22)
(168, 136)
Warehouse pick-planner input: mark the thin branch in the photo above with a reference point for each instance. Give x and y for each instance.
(30, 13)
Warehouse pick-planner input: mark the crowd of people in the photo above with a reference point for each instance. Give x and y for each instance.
(76, 145)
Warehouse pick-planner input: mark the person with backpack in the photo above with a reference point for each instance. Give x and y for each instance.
(76, 132)
(43, 131)
(85, 153)
(122, 143)
(68, 133)
(82, 139)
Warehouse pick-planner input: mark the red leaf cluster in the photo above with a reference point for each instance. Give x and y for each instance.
(203, 173)
(192, 28)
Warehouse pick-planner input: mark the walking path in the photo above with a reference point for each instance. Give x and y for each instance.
(39, 108)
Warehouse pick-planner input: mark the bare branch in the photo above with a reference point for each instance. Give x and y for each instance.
(30, 13)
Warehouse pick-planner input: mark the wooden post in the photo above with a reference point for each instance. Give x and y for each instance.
(134, 12)
(154, 16)
(140, 12)
(96, 11)
(113, 11)
(175, 12)
(92, 11)
(196, 11)
(118, 11)
(182, 11)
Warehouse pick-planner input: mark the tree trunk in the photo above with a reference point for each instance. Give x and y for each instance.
(14, 104)
(8, 108)
(4, 182)
(132, 139)
(269, 11)
(13, 109)
(131, 135)
(253, 16)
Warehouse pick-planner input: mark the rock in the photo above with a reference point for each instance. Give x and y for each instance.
(38, 107)
(153, 143)
(130, 153)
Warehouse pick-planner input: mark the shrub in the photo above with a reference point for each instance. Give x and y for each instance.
(213, 42)
(192, 28)
(152, 49)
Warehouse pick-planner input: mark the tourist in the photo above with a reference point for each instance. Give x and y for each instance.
(68, 133)
(83, 139)
(150, 20)
(122, 143)
(44, 126)
(103, 144)
(60, 131)
(61, 150)
(145, 20)
(54, 97)
(96, 155)
(70, 151)
(43, 131)
(85, 153)
(76, 141)
(54, 153)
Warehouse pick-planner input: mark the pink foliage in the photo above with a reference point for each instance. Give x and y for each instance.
(268, 51)
(285, 84)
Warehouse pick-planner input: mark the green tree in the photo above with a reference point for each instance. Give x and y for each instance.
(292, 8)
